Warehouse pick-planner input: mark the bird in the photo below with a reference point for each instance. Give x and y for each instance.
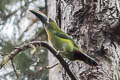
(62, 42)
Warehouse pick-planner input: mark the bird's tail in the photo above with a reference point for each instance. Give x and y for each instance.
(85, 58)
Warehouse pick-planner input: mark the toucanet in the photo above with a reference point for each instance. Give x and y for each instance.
(62, 41)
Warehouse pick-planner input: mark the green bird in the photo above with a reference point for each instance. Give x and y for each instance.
(62, 41)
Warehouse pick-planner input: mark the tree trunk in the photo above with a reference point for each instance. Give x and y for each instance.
(94, 25)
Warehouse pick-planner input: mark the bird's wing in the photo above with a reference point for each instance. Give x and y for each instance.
(65, 36)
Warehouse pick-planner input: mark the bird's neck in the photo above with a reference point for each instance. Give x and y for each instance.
(52, 26)
(51, 29)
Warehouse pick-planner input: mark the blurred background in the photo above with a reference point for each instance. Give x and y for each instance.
(18, 26)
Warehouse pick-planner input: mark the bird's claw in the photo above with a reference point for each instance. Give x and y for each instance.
(58, 52)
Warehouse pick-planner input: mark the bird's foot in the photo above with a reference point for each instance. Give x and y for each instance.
(58, 52)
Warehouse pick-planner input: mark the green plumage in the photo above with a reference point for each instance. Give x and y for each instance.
(63, 42)
(60, 40)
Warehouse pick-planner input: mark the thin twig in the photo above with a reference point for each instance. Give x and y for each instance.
(50, 67)
(42, 68)
(14, 68)
(47, 67)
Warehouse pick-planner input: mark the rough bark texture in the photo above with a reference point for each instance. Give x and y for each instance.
(94, 25)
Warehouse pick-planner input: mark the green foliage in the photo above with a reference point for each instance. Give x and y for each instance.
(7, 46)
(22, 62)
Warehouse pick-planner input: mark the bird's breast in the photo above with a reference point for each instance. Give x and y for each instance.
(61, 44)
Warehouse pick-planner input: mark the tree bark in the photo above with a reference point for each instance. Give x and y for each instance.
(94, 26)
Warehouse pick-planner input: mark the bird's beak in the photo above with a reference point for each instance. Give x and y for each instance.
(40, 15)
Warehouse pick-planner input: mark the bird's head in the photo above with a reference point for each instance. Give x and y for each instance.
(41, 16)
(46, 20)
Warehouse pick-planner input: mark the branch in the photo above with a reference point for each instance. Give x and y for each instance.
(14, 68)
(39, 43)
(42, 68)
